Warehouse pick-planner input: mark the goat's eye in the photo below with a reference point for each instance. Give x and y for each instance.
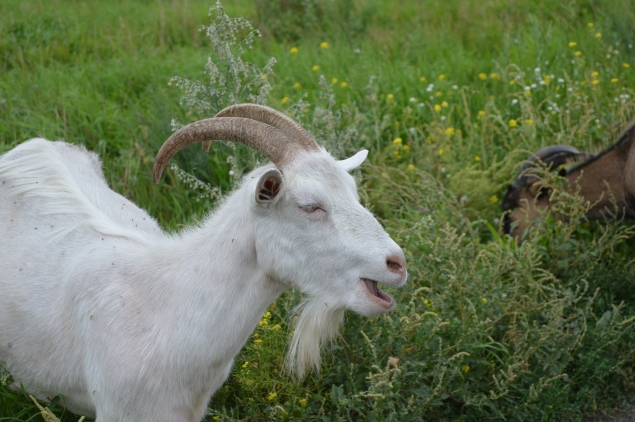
(311, 208)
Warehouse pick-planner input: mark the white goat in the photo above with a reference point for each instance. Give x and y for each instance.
(128, 323)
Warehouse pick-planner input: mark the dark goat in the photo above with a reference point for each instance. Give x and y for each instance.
(606, 181)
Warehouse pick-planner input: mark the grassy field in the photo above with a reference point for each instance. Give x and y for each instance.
(449, 97)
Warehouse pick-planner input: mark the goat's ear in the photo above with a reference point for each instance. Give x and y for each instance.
(354, 161)
(268, 187)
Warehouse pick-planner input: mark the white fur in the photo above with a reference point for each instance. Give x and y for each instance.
(129, 323)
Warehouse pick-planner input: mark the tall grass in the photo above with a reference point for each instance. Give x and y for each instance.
(449, 97)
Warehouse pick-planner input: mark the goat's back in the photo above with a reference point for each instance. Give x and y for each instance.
(61, 179)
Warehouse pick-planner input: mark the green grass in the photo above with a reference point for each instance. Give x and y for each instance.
(485, 330)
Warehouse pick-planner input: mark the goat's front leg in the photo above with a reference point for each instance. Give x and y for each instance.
(153, 411)
(168, 404)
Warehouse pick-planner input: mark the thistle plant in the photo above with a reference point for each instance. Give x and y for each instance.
(231, 80)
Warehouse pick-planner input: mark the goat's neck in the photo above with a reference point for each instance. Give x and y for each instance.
(606, 180)
(629, 172)
(215, 282)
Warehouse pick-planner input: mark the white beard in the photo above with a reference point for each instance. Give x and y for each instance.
(317, 324)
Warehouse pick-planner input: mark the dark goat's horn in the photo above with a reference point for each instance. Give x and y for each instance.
(266, 139)
(552, 156)
(271, 117)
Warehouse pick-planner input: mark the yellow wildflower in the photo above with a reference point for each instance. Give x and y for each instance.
(626, 65)
(258, 341)
(512, 82)
(422, 79)
(482, 76)
(450, 131)
(302, 401)
(528, 93)
(437, 107)
(483, 299)
(477, 158)
(334, 80)
(595, 81)
(263, 322)
(572, 44)
(324, 44)
(390, 97)
(428, 302)
(440, 153)
(529, 122)
(438, 93)
(598, 35)
(406, 149)
(411, 166)
(285, 100)
(245, 364)
(614, 80)
(272, 396)
(397, 141)
(578, 53)
(547, 79)
(493, 199)
(495, 76)
(480, 114)
(513, 123)
(294, 50)
(297, 85)
(441, 77)
(595, 74)
(444, 104)
(276, 327)
(344, 84)
(590, 24)
(465, 369)
(315, 68)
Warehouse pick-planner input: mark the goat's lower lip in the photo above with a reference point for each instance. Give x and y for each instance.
(377, 295)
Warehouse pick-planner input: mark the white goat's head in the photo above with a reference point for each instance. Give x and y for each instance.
(310, 230)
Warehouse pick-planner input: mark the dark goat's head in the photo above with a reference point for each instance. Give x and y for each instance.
(527, 196)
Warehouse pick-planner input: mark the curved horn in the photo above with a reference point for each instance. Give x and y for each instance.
(266, 139)
(551, 156)
(271, 117)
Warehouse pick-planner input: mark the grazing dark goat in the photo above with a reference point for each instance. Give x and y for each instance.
(605, 180)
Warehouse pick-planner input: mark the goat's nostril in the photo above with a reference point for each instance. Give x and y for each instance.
(396, 265)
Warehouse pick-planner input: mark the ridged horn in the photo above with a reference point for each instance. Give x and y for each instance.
(552, 156)
(279, 148)
(271, 117)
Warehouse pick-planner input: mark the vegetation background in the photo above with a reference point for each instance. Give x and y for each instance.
(449, 96)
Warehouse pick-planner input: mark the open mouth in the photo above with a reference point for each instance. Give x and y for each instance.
(376, 294)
